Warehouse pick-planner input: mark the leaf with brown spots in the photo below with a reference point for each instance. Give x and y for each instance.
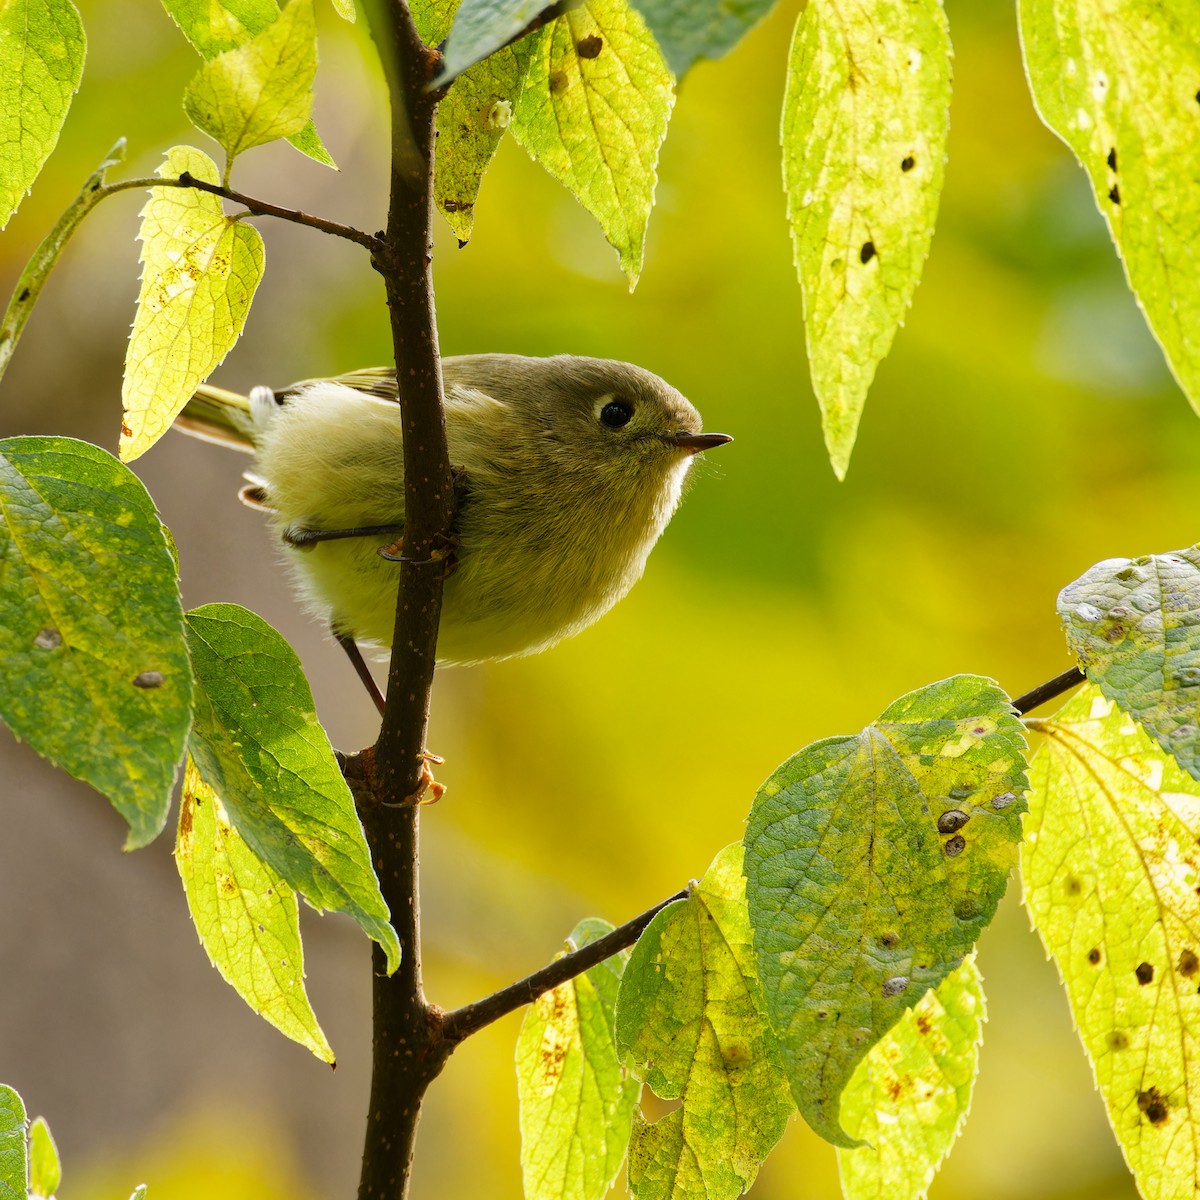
(200, 272)
(89, 604)
(691, 1013)
(594, 112)
(865, 122)
(1134, 625)
(1116, 80)
(1110, 866)
(860, 901)
(575, 1100)
(248, 919)
(909, 1097)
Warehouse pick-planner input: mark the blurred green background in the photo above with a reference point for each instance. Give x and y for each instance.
(1023, 428)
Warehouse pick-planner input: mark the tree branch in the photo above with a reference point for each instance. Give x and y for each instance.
(408, 1049)
(462, 1022)
(1039, 695)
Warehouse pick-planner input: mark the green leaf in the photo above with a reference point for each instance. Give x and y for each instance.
(1117, 81)
(13, 1168)
(687, 30)
(45, 1170)
(257, 743)
(471, 121)
(247, 917)
(37, 269)
(139, 1192)
(594, 112)
(1111, 876)
(873, 863)
(200, 272)
(42, 48)
(691, 1013)
(308, 141)
(575, 1100)
(96, 675)
(865, 121)
(480, 28)
(908, 1099)
(345, 9)
(1134, 625)
(262, 90)
(213, 28)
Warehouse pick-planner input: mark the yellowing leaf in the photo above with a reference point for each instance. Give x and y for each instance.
(575, 1099)
(865, 120)
(247, 917)
(594, 112)
(1117, 81)
(45, 1170)
(262, 90)
(212, 29)
(908, 1099)
(42, 48)
(200, 271)
(1111, 869)
(691, 1013)
(471, 121)
(872, 865)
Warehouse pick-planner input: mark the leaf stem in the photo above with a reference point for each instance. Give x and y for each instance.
(462, 1022)
(1044, 692)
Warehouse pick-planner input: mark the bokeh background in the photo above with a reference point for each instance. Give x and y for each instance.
(1023, 427)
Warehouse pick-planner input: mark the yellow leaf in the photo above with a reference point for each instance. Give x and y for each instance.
(200, 272)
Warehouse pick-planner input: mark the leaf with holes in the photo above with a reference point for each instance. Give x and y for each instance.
(865, 121)
(42, 48)
(575, 1100)
(1117, 81)
(95, 667)
(200, 272)
(908, 1099)
(1134, 625)
(691, 1013)
(687, 30)
(247, 917)
(873, 862)
(257, 743)
(594, 112)
(471, 121)
(1111, 870)
(262, 90)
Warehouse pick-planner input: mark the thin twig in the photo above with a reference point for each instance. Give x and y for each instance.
(462, 1022)
(258, 208)
(1039, 695)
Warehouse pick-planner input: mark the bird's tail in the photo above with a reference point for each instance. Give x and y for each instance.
(227, 418)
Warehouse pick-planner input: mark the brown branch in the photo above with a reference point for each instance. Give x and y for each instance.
(1039, 695)
(462, 1022)
(408, 1049)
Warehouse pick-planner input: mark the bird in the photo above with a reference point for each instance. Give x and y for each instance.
(568, 470)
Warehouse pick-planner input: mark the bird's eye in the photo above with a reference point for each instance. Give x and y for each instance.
(616, 413)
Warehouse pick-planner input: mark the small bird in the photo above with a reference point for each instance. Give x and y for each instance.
(568, 470)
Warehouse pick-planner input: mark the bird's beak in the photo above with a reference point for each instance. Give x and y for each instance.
(694, 443)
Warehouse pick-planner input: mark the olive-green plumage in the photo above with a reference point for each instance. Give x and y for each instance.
(570, 469)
